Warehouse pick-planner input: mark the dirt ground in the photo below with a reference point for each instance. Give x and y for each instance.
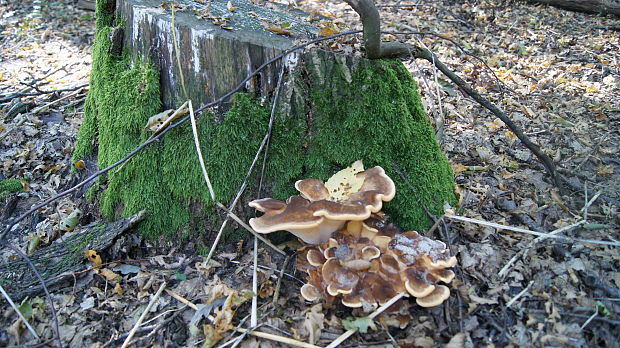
(555, 73)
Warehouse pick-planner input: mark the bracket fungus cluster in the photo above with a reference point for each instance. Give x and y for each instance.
(322, 208)
(368, 265)
(354, 255)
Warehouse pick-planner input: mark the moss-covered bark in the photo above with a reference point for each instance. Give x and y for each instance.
(332, 112)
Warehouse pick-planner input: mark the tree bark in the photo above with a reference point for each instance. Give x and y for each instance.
(603, 7)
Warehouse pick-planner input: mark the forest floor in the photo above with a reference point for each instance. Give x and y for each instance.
(555, 73)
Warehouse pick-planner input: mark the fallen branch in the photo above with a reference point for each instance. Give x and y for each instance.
(543, 157)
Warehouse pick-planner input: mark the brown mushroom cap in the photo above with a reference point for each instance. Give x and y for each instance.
(312, 189)
(416, 283)
(310, 292)
(313, 215)
(295, 216)
(435, 298)
(315, 258)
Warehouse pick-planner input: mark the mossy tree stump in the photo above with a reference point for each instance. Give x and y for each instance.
(333, 110)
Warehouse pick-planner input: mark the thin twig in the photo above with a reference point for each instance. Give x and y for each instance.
(580, 188)
(374, 314)
(39, 92)
(19, 313)
(272, 269)
(50, 301)
(39, 109)
(144, 314)
(248, 228)
(177, 50)
(583, 326)
(254, 315)
(518, 296)
(521, 230)
(276, 291)
(523, 251)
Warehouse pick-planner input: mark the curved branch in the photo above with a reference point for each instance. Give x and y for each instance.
(371, 22)
(543, 157)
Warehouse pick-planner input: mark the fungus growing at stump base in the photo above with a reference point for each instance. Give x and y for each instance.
(354, 254)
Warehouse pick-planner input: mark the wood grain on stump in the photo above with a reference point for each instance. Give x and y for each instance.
(213, 60)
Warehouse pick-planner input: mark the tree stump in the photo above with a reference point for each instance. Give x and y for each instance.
(333, 110)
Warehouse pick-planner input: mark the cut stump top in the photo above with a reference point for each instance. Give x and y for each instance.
(217, 48)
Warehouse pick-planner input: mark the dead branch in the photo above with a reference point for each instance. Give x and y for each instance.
(543, 157)
(603, 7)
(371, 22)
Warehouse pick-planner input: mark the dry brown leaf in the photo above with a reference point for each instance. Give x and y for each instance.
(279, 31)
(313, 324)
(119, 289)
(110, 275)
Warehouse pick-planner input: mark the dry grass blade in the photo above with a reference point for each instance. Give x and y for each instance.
(19, 313)
(198, 151)
(144, 314)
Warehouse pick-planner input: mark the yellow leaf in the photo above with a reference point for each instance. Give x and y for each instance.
(495, 125)
(94, 257)
(156, 122)
(71, 221)
(345, 183)
(79, 165)
(280, 31)
(604, 170)
(119, 289)
(327, 29)
(459, 168)
(591, 90)
(510, 136)
(110, 275)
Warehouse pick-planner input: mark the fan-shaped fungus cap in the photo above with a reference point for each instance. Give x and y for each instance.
(368, 268)
(316, 213)
(310, 292)
(435, 298)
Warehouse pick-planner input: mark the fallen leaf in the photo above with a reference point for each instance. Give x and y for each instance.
(314, 323)
(71, 221)
(279, 31)
(345, 182)
(118, 289)
(94, 257)
(110, 275)
(361, 324)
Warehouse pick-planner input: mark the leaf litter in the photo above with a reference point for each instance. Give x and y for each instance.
(554, 72)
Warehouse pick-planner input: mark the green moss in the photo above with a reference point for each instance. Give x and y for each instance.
(11, 185)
